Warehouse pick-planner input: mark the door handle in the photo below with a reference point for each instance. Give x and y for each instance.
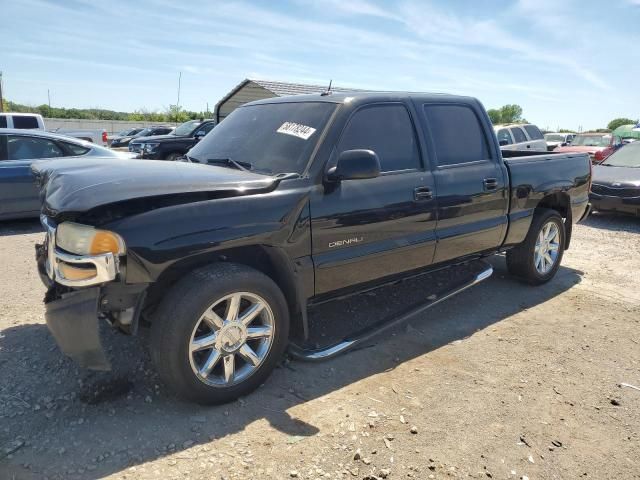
(490, 184)
(422, 193)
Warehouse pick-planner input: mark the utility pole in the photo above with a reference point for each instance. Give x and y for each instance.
(1, 97)
(178, 102)
(49, 101)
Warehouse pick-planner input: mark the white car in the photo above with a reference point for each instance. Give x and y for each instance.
(34, 121)
(524, 137)
(556, 139)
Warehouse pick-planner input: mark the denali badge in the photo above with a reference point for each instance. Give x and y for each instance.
(346, 241)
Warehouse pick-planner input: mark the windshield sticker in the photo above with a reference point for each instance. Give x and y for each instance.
(296, 130)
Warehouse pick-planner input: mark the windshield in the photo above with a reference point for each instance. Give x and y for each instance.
(627, 156)
(144, 132)
(591, 141)
(186, 127)
(554, 137)
(273, 138)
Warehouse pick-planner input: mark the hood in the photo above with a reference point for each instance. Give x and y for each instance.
(578, 149)
(78, 184)
(155, 138)
(621, 176)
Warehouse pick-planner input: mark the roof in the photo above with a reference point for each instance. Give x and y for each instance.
(282, 89)
(42, 133)
(19, 114)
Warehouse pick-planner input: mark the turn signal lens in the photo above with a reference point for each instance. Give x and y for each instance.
(86, 240)
(76, 273)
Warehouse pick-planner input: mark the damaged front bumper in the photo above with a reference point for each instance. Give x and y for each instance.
(81, 290)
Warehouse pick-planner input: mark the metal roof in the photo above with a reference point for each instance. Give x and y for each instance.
(282, 89)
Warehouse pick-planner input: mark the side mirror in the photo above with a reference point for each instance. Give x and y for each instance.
(503, 142)
(355, 165)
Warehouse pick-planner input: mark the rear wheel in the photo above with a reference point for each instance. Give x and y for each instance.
(219, 333)
(537, 259)
(172, 157)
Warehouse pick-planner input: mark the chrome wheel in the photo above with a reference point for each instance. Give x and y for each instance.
(231, 339)
(547, 248)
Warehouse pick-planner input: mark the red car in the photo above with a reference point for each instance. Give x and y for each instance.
(598, 145)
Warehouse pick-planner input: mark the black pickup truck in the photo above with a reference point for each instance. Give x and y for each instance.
(287, 203)
(175, 144)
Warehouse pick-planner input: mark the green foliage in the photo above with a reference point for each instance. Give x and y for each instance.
(618, 122)
(506, 114)
(599, 130)
(566, 130)
(171, 114)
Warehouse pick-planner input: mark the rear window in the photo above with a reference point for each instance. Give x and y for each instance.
(457, 134)
(534, 132)
(76, 150)
(518, 135)
(25, 122)
(3, 121)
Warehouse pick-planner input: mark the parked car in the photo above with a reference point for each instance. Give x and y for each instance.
(616, 182)
(153, 131)
(172, 146)
(558, 140)
(590, 143)
(27, 121)
(523, 137)
(18, 150)
(294, 201)
(122, 139)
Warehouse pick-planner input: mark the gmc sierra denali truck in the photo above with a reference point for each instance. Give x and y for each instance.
(287, 203)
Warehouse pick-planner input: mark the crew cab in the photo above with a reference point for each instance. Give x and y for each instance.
(174, 145)
(290, 202)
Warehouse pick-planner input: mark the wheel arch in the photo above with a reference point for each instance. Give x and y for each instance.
(271, 261)
(561, 203)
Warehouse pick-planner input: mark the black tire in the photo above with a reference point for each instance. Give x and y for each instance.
(172, 157)
(180, 312)
(521, 259)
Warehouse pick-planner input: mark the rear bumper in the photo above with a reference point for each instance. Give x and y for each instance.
(602, 203)
(73, 321)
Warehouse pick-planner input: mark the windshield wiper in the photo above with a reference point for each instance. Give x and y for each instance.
(229, 162)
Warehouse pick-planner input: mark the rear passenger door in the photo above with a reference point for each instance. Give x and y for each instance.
(520, 138)
(363, 230)
(471, 182)
(536, 138)
(18, 193)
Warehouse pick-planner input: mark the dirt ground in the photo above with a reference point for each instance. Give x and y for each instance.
(502, 381)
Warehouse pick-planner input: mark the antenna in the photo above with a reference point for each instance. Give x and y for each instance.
(328, 90)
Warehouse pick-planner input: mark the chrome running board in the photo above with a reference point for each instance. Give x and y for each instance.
(366, 334)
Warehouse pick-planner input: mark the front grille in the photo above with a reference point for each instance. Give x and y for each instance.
(623, 192)
(135, 147)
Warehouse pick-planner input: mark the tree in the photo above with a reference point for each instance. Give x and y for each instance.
(618, 122)
(506, 114)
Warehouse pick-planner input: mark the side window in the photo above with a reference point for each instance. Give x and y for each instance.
(3, 147)
(3, 121)
(518, 135)
(162, 131)
(76, 150)
(534, 132)
(457, 134)
(204, 130)
(26, 148)
(25, 122)
(388, 131)
(504, 136)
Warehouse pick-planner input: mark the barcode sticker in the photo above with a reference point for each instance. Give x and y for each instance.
(296, 130)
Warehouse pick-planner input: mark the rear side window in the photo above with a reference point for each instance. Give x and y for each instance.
(518, 135)
(76, 150)
(25, 122)
(27, 148)
(388, 131)
(3, 147)
(534, 132)
(3, 121)
(504, 137)
(457, 134)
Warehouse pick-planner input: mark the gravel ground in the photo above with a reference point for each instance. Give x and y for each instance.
(503, 381)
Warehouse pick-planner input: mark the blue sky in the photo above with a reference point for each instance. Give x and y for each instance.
(569, 63)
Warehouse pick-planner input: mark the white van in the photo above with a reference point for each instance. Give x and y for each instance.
(523, 136)
(23, 121)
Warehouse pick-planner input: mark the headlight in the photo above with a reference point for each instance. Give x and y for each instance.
(150, 147)
(86, 240)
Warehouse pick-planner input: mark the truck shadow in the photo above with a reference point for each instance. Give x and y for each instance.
(20, 227)
(95, 425)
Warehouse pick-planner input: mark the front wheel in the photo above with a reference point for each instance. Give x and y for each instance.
(172, 157)
(219, 333)
(537, 259)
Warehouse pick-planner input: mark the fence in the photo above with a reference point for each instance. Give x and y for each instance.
(111, 126)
